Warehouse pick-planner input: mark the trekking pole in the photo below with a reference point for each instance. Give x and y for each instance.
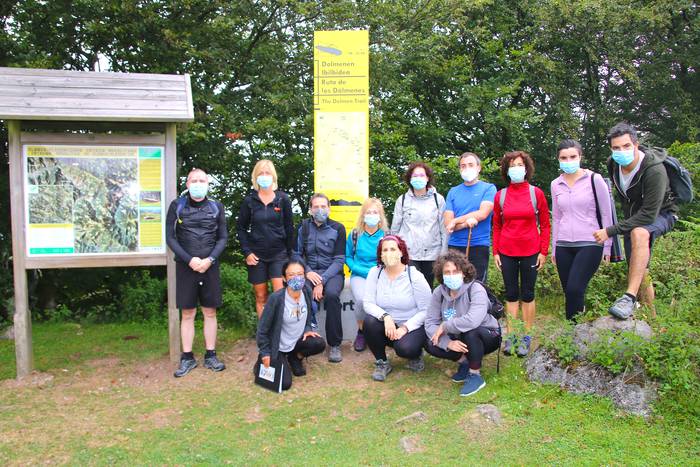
(469, 241)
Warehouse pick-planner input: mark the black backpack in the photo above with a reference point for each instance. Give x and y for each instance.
(496, 308)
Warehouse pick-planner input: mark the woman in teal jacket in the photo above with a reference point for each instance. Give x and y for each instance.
(361, 256)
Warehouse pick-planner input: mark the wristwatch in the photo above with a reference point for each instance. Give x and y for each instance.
(381, 318)
(212, 259)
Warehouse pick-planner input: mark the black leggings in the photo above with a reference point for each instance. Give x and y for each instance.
(308, 347)
(480, 341)
(526, 268)
(576, 266)
(409, 346)
(426, 268)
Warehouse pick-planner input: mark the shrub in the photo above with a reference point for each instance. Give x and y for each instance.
(238, 309)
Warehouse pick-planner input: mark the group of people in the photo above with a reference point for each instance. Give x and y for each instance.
(419, 282)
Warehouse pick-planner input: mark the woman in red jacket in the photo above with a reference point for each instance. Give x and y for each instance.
(520, 241)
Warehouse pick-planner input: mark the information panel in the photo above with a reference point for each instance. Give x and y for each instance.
(93, 199)
(341, 121)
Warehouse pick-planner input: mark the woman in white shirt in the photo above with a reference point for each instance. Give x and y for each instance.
(396, 299)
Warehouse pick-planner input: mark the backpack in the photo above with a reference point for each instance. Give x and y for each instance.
(679, 180)
(533, 199)
(182, 200)
(410, 279)
(617, 253)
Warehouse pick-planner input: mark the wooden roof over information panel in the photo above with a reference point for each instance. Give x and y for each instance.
(38, 94)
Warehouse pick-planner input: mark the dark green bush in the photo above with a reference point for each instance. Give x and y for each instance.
(238, 309)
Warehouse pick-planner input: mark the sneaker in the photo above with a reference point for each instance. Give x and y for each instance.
(359, 345)
(524, 346)
(510, 344)
(473, 384)
(186, 365)
(214, 364)
(417, 364)
(296, 364)
(623, 307)
(462, 373)
(381, 369)
(334, 354)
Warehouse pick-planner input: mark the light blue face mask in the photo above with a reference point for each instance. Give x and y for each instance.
(624, 158)
(264, 181)
(517, 174)
(198, 190)
(570, 167)
(453, 281)
(418, 183)
(372, 219)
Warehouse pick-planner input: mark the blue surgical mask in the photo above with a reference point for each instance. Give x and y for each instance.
(453, 281)
(198, 190)
(320, 215)
(570, 167)
(418, 183)
(296, 283)
(372, 219)
(517, 174)
(264, 181)
(624, 158)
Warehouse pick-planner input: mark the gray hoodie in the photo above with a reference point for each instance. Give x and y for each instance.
(459, 313)
(418, 220)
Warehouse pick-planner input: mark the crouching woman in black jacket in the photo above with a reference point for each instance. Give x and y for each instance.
(284, 329)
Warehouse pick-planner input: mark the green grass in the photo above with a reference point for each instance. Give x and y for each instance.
(134, 412)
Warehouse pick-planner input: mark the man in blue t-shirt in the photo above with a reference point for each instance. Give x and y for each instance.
(469, 207)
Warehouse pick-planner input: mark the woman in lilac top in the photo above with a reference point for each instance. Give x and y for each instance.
(574, 219)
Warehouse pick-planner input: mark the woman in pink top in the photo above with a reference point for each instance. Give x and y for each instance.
(574, 219)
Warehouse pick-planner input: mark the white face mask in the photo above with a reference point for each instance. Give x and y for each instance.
(469, 175)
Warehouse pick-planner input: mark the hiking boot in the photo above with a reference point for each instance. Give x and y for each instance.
(359, 345)
(462, 373)
(623, 307)
(523, 346)
(417, 364)
(510, 344)
(334, 355)
(213, 363)
(473, 384)
(186, 365)
(296, 364)
(381, 369)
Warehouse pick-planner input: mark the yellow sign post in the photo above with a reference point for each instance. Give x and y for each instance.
(341, 121)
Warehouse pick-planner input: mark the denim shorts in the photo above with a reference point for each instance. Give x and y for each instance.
(662, 225)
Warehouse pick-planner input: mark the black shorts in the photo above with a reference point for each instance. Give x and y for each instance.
(194, 287)
(267, 269)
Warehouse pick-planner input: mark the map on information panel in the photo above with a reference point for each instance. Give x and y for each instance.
(90, 199)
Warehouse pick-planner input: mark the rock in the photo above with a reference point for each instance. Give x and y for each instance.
(489, 412)
(632, 391)
(585, 334)
(414, 417)
(8, 333)
(411, 444)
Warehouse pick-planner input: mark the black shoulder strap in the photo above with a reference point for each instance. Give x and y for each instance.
(595, 198)
(437, 205)
(403, 197)
(304, 236)
(354, 237)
